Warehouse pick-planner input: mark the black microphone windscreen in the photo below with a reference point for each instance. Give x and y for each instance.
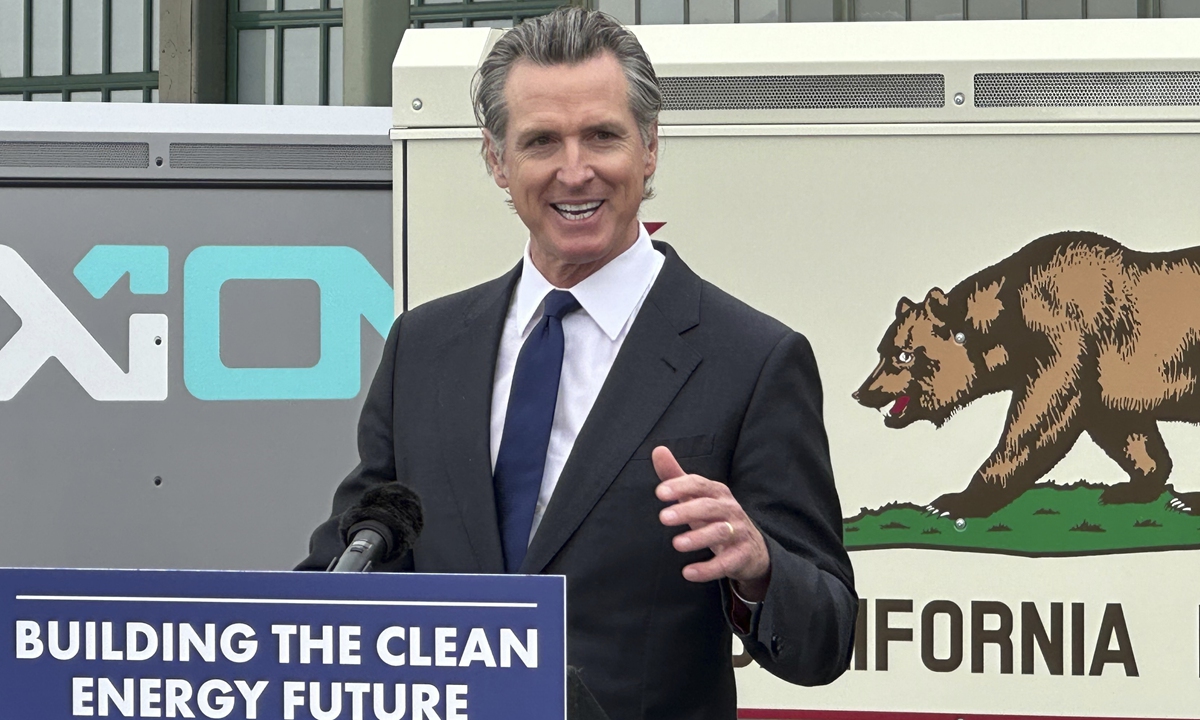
(397, 507)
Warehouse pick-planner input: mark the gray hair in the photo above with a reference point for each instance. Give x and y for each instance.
(567, 36)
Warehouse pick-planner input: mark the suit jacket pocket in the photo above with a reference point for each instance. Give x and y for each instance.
(680, 447)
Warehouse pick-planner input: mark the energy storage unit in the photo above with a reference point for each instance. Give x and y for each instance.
(990, 234)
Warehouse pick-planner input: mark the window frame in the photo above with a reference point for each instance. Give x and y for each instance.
(847, 11)
(471, 11)
(104, 82)
(277, 21)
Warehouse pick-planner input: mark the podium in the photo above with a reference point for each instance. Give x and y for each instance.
(280, 645)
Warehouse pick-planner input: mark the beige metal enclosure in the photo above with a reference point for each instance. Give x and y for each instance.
(821, 174)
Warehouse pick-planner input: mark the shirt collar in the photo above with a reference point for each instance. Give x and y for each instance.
(608, 295)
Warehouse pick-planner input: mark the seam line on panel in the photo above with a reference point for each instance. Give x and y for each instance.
(404, 225)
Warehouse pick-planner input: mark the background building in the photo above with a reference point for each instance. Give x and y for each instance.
(335, 52)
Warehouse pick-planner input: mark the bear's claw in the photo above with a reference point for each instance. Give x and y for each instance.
(1183, 506)
(971, 503)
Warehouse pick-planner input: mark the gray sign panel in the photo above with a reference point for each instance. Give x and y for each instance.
(183, 359)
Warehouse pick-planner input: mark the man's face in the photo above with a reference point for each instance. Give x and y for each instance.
(574, 164)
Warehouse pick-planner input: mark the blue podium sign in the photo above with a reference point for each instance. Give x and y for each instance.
(280, 645)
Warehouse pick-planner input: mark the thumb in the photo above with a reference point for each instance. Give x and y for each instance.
(665, 464)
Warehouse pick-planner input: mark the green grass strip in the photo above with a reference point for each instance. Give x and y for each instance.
(1049, 519)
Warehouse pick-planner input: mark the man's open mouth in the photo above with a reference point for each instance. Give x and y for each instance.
(897, 407)
(580, 211)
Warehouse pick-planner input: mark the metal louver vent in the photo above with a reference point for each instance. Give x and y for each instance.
(227, 156)
(803, 92)
(1087, 89)
(74, 154)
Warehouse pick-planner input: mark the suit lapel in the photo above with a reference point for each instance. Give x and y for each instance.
(464, 418)
(652, 366)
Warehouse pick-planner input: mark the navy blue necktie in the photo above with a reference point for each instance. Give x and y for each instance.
(522, 457)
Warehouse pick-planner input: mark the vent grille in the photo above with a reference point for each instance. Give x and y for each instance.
(74, 154)
(803, 92)
(1087, 89)
(227, 156)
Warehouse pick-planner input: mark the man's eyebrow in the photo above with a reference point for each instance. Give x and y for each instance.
(530, 134)
(527, 136)
(608, 127)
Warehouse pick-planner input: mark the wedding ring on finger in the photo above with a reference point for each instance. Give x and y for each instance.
(729, 525)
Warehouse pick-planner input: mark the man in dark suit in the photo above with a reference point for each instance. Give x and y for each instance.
(602, 413)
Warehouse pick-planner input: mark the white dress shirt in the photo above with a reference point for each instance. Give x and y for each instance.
(610, 299)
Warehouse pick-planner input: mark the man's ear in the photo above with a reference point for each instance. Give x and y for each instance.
(491, 155)
(652, 150)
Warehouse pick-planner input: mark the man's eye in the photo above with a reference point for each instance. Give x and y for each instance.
(904, 356)
(604, 135)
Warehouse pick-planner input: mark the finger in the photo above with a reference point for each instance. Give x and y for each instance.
(713, 535)
(699, 511)
(725, 564)
(691, 486)
(665, 464)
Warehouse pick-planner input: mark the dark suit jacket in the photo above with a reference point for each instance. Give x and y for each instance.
(733, 393)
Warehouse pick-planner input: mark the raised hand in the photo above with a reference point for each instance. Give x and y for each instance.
(717, 522)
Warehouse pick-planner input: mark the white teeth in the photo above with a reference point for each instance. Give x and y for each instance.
(577, 212)
(577, 208)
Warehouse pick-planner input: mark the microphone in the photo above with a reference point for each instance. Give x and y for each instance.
(382, 526)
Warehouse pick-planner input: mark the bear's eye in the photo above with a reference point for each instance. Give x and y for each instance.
(904, 356)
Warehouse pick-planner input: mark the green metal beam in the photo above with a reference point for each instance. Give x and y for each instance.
(500, 9)
(77, 83)
(28, 66)
(148, 52)
(292, 18)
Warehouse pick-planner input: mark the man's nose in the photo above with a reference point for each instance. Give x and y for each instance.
(576, 168)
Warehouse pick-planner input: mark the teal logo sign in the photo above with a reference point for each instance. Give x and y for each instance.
(350, 289)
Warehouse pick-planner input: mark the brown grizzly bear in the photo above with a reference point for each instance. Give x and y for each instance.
(1090, 337)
